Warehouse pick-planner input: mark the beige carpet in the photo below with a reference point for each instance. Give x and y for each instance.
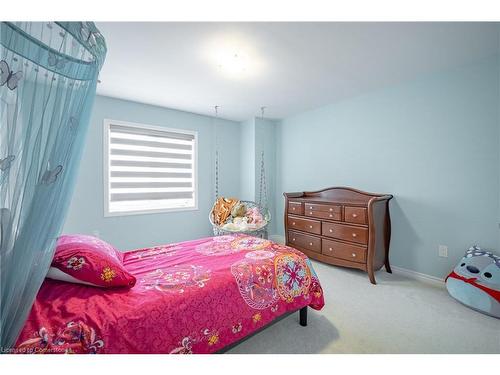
(399, 315)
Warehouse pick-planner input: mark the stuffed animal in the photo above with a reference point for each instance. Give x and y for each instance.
(475, 281)
(238, 224)
(254, 216)
(239, 210)
(222, 209)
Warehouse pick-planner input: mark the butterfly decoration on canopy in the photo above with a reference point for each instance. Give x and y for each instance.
(6, 162)
(50, 176)
(58, 63)
(73, 123)
(88, 35)
(8, 77)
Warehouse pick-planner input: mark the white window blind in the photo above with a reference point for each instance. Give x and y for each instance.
(149, 169)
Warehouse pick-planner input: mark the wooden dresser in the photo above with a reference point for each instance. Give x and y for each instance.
(340, 226)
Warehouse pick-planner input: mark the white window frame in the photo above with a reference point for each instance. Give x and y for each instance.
(106, 168)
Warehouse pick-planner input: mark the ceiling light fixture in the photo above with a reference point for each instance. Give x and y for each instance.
(234, 64)
(233, 57)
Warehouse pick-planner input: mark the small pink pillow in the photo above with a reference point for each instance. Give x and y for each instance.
(89, 260)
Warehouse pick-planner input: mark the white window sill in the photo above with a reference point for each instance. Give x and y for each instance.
(150, 212)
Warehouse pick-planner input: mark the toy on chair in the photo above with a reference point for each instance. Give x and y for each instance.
(475, 281)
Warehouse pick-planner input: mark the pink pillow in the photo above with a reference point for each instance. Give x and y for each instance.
(89, 260)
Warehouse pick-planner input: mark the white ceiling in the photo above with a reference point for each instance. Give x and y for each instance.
(290, 67)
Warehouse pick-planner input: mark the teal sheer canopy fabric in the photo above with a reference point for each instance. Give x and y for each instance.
(48, 78)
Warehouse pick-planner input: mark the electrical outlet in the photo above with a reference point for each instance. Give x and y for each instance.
(443, 251)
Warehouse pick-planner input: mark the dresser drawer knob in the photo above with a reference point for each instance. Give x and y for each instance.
(310, 208)
(331, 215)
(353, 255)
(331, 209)
(310, 227)
(354, 215)
(293, 239)
(310, 212)
(330, 249)
(310, 243)
(293, 222)
(331, 230)
(354, 235)
(293, 208)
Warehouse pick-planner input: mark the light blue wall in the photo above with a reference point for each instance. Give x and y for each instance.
(265, 141)
(247, 154)
(498, 114)
(128, 232)
(433, 143)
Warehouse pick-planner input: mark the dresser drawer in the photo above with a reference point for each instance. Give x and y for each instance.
(304, 241)
(345, 232)
(355, 215)
(306, 225)
(296, 208)
(322, 207)
(343, 251)
(324, 215)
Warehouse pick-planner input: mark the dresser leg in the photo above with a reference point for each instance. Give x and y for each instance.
(387, 265)
(387, 239)
(303, 316)
(371, 275)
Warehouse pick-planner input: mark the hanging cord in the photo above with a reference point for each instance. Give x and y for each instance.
(263, 185)
(216, 108)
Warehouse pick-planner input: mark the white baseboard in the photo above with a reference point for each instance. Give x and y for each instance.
(418, 276)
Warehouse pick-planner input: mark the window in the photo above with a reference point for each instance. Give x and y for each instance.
(148, 169)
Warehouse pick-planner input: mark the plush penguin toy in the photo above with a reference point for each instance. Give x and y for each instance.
(475, 281)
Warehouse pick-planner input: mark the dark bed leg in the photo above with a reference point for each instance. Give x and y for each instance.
(303, 316)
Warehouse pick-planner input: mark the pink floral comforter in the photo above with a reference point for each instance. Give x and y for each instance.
(191, 297)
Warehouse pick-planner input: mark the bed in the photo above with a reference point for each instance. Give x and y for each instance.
(200, 296)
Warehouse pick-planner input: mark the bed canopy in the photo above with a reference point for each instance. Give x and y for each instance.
(48, 77)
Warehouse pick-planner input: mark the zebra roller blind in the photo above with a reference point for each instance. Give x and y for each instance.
(149, 169)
